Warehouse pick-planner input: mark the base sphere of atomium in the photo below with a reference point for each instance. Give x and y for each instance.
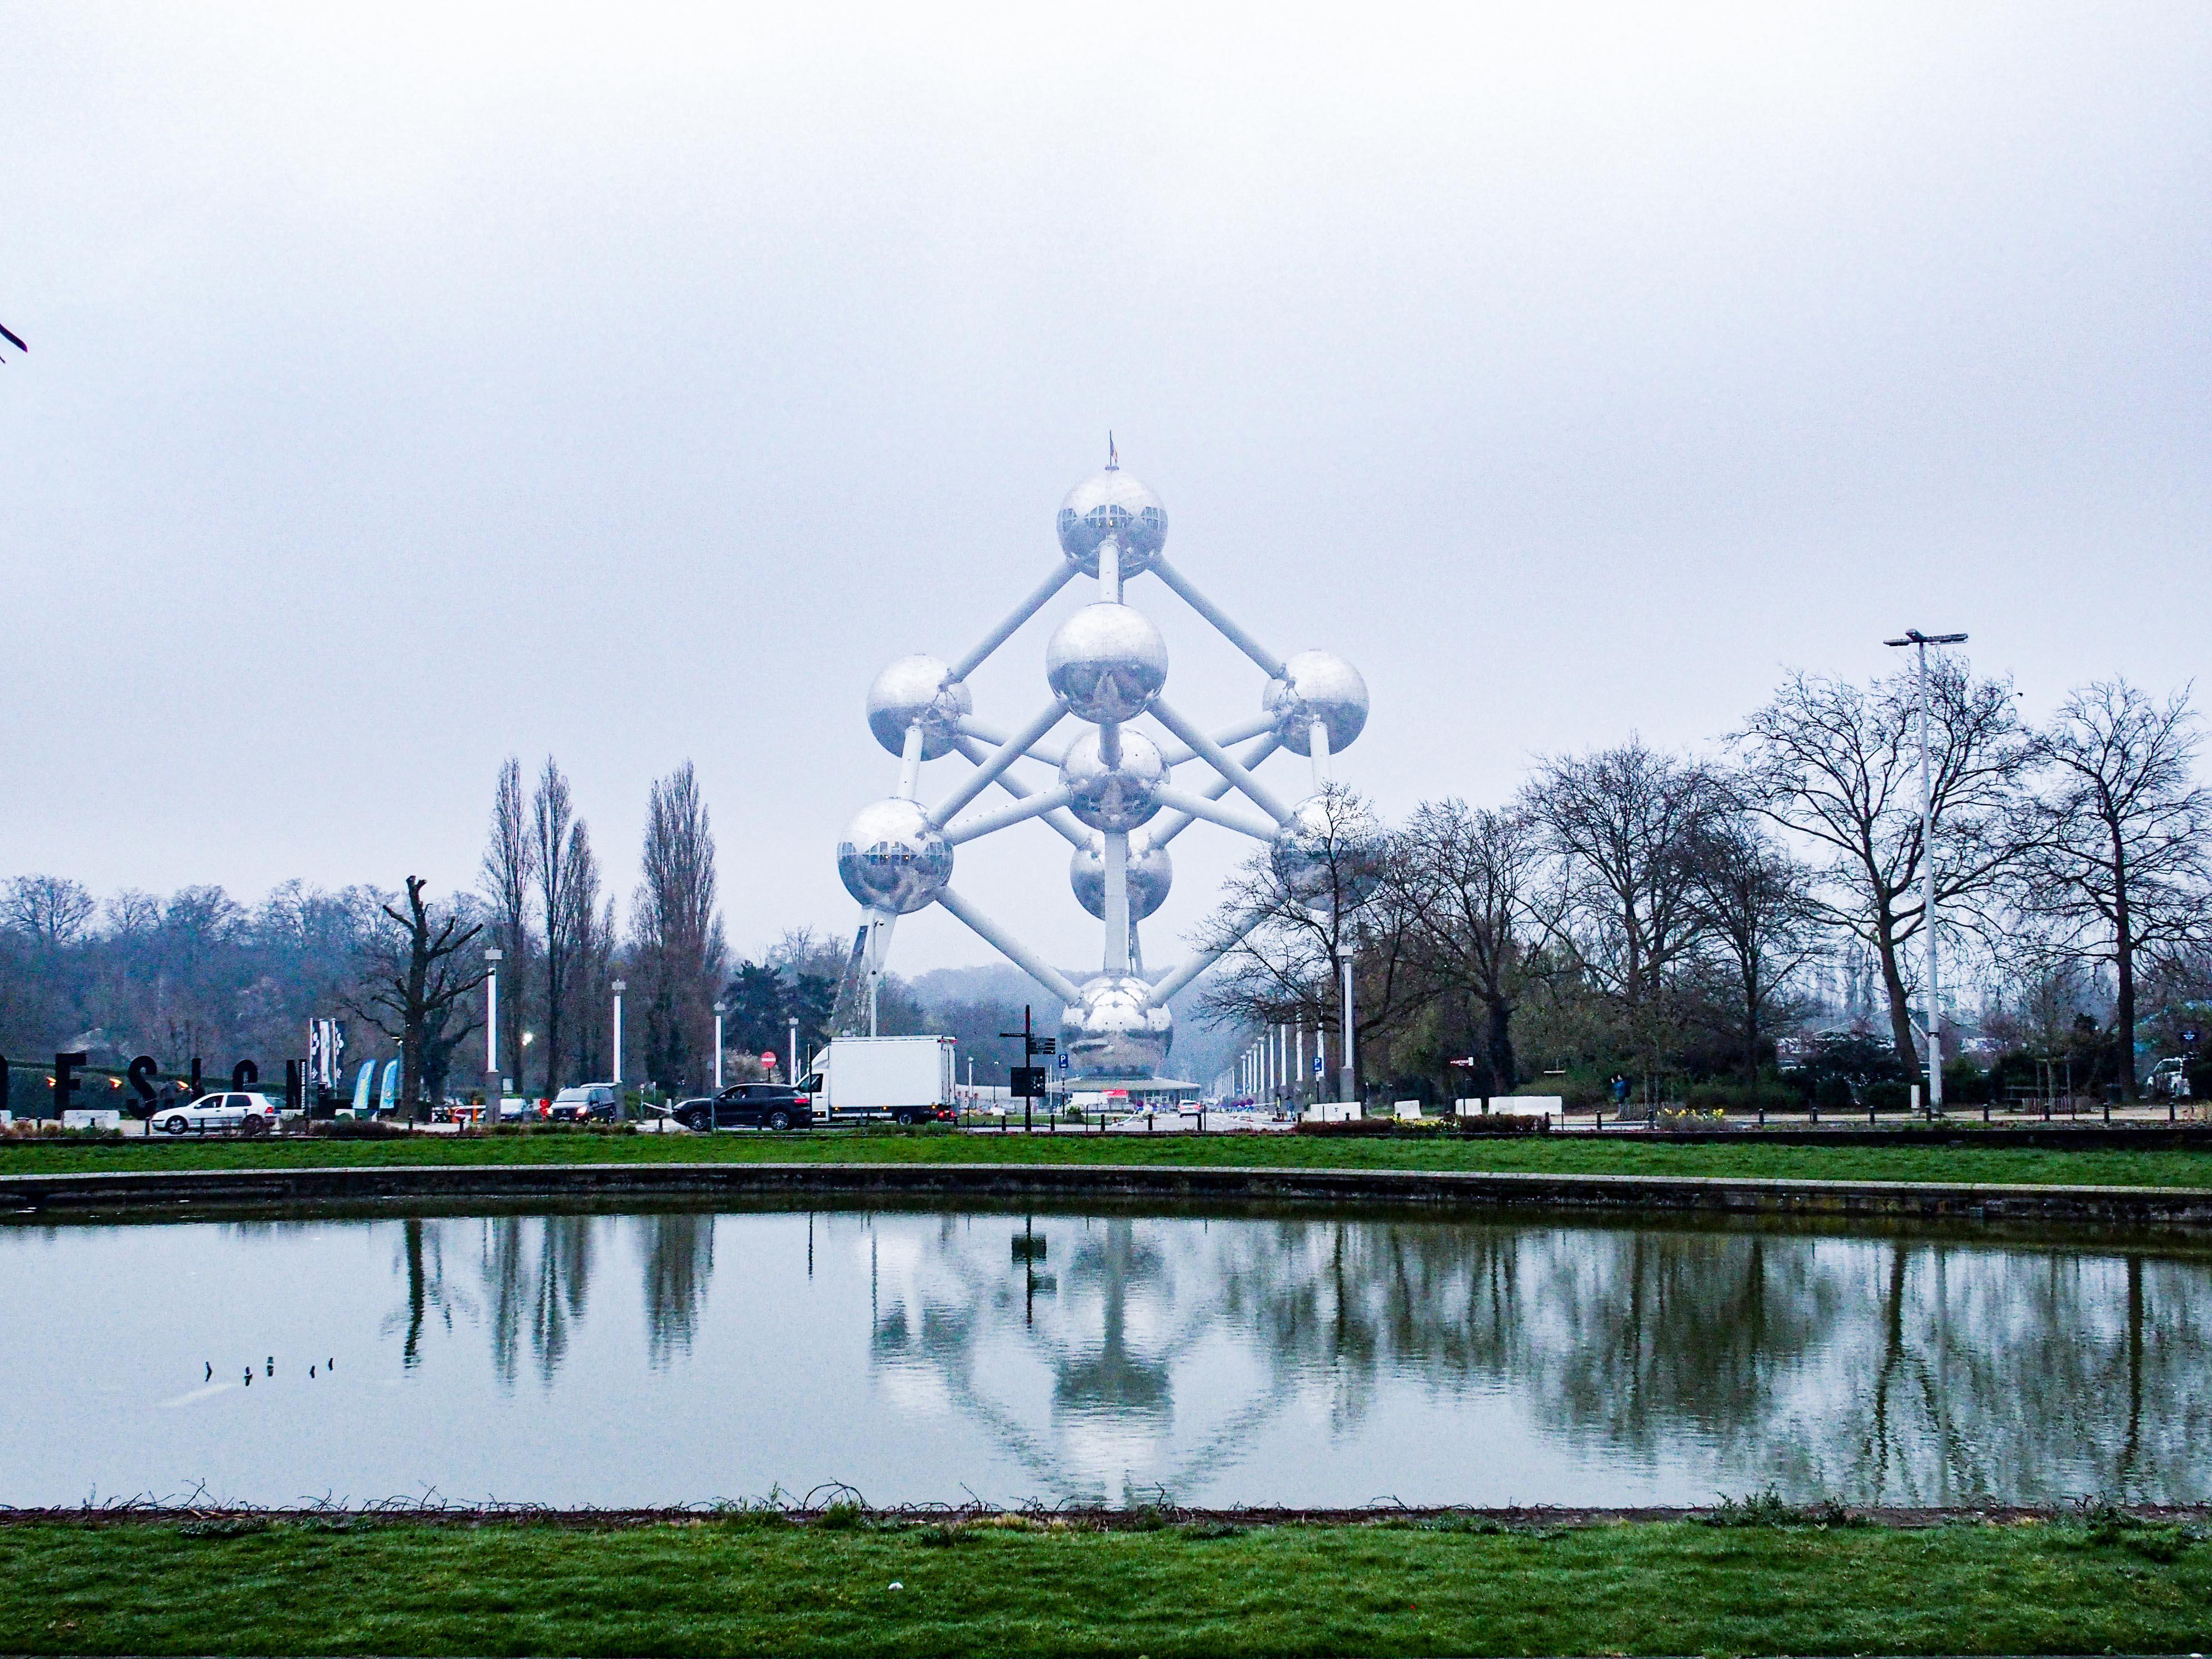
(1121, 796)
(1114, 1030)
(893, 858)
(1316, 685)
(1328, 853)
(921, 689)
(1107, 662)
(1112, 503)
(1151, 875)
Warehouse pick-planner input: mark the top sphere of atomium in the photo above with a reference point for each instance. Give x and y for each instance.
(1316, 685)
(893, 858)
(918, 688)
(1330, 852)
(1112, 503)
(1107, 662)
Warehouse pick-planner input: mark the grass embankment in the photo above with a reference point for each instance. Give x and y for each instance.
(1549, 1154)
(1454, 1586)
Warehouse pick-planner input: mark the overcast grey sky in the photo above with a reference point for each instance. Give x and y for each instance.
(416, 384)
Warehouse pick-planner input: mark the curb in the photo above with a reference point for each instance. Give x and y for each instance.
(125, 1194)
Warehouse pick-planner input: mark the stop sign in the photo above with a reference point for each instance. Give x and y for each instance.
(768, 1057)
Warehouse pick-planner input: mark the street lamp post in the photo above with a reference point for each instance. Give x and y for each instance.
(791, 1023)
(494, 1087)
(1348, 1084)
(721, 1008)
(618, 987)
(1920, 642)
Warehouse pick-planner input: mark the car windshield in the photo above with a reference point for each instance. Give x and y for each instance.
(572, 1097)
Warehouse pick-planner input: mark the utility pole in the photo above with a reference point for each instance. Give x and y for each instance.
(1920, 642)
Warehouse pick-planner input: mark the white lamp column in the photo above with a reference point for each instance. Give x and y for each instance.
(494, 1086)
(619, 987)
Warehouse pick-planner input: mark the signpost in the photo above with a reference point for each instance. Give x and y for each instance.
(1029, 1080)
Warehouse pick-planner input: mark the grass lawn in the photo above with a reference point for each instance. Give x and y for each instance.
(1559, 1154)
(749, 1586)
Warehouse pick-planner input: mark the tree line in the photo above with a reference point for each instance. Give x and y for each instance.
(1672, 918)
(198, 975)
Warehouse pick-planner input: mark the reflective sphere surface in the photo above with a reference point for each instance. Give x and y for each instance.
(1112, 503)
(1327, 853)
(892, 860)
(1113, 1032)
(1151, 874)
(1316, 685)
(1107, 662)
(913, 689)
(1119, 797)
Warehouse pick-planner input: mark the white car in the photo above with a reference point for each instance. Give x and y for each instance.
(248, 1114)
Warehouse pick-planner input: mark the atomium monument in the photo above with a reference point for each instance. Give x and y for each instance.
(1114, 793)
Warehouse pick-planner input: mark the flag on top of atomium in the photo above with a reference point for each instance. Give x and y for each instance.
(1116, 799)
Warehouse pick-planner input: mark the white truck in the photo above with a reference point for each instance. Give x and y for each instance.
(908, 1079)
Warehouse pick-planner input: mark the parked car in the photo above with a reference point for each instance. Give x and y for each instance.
(585, 1101)
(748, 1106)
(248, 1114)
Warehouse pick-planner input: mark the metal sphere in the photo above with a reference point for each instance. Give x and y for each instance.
(1316, 685)
(1112, 503)
(1118, 797)
(1115, 1031)
(893, 859)
(1151, 874)
(1327, 853)
(1107, 662)
(918, 688)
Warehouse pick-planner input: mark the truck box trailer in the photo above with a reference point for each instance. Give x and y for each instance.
(885, 1075)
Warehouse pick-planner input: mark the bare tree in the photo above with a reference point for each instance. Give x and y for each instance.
(2117, 868)
(560, 853)
(1281, 944)
(1840, 764)
(509, 861)
(676, 927)
(1624, 826)
(51, 910)
(585, 957)
(1470, 879)
(416, 983)
(1761, 923)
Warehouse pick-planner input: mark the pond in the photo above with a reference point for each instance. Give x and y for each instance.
(1301, 1358)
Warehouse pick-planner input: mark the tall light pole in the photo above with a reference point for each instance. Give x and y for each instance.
(791, 1023)
(619, 987)
(1920, 642)
(721, 1008)
(494, 1086)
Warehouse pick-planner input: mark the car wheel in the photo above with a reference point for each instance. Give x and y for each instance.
(254, 1125)
(695, 1121)
(177, 1126)
(906, 1118)
(779, 1120)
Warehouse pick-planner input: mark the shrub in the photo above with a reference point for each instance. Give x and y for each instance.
(1886, 1096)
(1504, 1124)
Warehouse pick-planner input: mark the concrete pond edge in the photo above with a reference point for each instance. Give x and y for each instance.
(169, 1194)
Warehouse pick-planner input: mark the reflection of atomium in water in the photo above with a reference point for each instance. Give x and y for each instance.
(1112, 793)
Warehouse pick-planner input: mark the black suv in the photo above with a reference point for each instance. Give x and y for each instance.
(751, 1106)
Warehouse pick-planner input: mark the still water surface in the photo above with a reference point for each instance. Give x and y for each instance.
(1304, 1359)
